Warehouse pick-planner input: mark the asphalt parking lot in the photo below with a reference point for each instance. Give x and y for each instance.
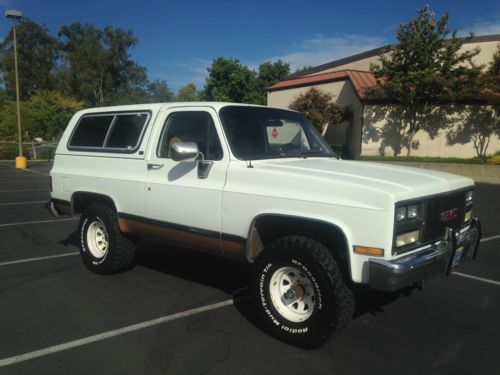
(189, 313)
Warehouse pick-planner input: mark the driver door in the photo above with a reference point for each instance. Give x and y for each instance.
(181, 206)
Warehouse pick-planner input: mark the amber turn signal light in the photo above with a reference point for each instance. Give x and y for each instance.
(368, 250)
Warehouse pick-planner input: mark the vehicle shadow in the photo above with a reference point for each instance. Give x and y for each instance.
(213, 271)
(234, 278)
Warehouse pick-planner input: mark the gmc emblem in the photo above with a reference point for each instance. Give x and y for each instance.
(449, 215)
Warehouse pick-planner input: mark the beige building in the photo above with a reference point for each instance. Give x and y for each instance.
(347, 80)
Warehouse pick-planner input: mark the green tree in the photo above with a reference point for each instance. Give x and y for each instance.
(491, 79)
(269, 74)
(37, 59)
(319, 109)
(3, 96)
(159, 92)
(423, 71)
(188, 93)
(96, 64)
(230, 81)
(305, 67)
(44, 115)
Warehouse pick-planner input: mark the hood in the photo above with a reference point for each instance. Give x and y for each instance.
(347, 183)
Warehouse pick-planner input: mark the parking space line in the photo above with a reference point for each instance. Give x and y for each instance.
(16, 191)
(21, 203)
(39, 258)
(490, 238)
(494, 282)
(109, 334)
(32, 171)
(30, 181)
(37, 222)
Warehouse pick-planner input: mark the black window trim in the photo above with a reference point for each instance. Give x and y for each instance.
(113, 150)
(166, 126)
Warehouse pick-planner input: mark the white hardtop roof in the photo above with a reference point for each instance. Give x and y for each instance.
(158, 106)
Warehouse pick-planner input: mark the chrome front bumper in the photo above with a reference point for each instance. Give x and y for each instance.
(435, 260)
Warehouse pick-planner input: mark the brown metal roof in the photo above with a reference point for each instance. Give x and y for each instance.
(361, 81)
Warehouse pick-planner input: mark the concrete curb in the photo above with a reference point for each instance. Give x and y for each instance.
(486, 173)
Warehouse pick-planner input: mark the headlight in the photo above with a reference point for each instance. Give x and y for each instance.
(407, 212)
(469, 196)
(408, 226)
(412, 211)
(407, 238)
(468, 216)
(401, 214)
(469, 202)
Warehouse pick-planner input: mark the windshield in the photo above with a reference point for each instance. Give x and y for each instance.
(266, 133)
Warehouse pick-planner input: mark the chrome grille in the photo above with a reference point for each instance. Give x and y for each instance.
(435, 206)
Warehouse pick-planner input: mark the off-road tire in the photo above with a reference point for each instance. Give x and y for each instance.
(334, 301)
(120, 252)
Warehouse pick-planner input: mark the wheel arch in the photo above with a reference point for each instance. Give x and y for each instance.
(268, 227)
(80, 200)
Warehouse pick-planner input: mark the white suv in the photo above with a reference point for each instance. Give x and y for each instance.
(259, 185)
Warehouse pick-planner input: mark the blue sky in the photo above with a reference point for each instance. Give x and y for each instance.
(179, 39)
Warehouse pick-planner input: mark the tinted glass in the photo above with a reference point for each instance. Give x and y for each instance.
(91, 131)
(195, 127)
(265, 133)
(127, 131)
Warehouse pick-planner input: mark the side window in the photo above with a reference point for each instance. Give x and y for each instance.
(195, 127)
(91, 131)
(115, 132)
(126, 131)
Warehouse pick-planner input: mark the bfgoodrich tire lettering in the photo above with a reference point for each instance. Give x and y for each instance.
(314, 277)
(103, 247)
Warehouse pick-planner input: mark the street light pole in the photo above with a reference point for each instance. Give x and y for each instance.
(18, 106)
(20, 160)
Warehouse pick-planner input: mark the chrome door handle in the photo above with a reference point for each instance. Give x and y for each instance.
(152, 166)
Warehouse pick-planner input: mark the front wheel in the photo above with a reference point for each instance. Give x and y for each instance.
(104, 249)
(301, 296)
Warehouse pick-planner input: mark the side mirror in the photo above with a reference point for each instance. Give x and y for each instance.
(184, 151)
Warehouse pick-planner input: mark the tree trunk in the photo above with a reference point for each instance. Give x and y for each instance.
(411, 135)
(413, 130)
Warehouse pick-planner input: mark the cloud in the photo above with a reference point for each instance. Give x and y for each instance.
(489, 27)
(320, 49)
(313, 51)
(185, 71)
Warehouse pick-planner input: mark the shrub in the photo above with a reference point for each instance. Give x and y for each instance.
(8, 152)
(47, 153)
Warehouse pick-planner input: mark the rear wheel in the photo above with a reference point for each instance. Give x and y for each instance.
(104, 249)
(301, 296)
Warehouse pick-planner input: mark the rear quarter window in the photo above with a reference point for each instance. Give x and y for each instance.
(114, 132)
(91, 131)
(126, 131)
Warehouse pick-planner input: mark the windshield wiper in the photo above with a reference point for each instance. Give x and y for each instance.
(307, 154)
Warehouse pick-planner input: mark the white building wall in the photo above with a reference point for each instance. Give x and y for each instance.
(437, 147)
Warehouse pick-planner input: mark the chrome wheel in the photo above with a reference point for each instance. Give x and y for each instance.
(97, 239)
(292, 294)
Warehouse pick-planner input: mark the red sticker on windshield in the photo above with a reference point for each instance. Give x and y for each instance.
(274, 133)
